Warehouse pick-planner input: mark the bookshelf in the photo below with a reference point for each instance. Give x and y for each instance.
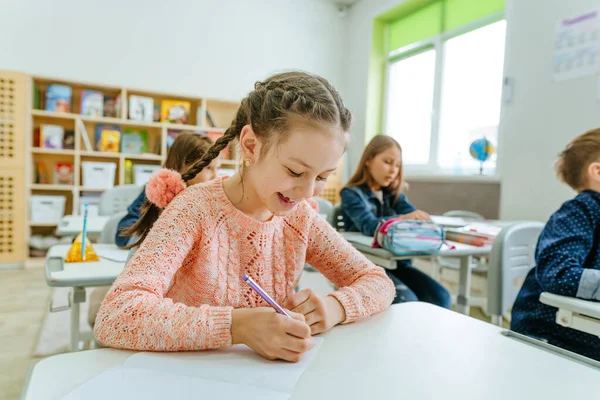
(23, 113)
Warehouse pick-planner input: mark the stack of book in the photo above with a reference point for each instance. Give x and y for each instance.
(476, 234)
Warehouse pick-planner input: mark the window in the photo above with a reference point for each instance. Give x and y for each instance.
(471, 95)
(445, 91)
(408, 111)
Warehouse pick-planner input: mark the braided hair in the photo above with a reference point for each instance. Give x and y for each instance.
(271, 109)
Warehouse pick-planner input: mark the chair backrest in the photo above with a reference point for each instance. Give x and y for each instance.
(117, 199)
(512, 257)
(110, 229)
(463, 214)
(325, 207)
(337, 218)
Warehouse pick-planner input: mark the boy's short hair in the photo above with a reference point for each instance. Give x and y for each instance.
(574, 160)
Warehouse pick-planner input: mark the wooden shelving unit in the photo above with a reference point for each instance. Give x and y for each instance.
(23, 118)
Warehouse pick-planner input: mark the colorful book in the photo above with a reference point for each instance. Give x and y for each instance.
(52, 136)
(216, 135)
(108, 138)
(171, 136)
(63, 173)
(58, 98)
(41, 173)
(92, 103)
(69, 139)
(141, 108)
(112, 106)
(175, 111)
(134, 141)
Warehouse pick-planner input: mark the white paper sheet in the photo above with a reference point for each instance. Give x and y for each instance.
(238, 364)
(117, 255)
(122, 383)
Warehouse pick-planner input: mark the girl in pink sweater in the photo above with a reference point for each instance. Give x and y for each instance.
(183, 288)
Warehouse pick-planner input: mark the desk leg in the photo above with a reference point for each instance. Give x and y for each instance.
(78, 297)
(464, 286)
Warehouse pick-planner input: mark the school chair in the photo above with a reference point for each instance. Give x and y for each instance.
(463, 214)
(512, 257)
(117, 199)
(337, 219)
(325, 207)
(110, 229)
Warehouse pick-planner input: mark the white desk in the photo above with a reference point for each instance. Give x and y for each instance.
(72, 225)
(82, 275)
(579, 314)
(414, 351)
(462, 251)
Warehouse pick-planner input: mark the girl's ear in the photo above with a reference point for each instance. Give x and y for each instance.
(249, 144)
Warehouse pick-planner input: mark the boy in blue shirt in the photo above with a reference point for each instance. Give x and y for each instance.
(567, 254)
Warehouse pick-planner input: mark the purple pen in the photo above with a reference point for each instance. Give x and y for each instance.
(264, 295)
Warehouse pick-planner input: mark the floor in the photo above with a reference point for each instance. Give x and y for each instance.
(23, 300)
(24, 297)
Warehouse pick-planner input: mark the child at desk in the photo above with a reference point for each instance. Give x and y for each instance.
(374, 193)
(185, 150)
(183, 289)
(568, 252)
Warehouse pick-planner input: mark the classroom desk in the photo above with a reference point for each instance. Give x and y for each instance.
(82, 275)
(72, 225)
(579, 314)
(462, 251)
(413, 350)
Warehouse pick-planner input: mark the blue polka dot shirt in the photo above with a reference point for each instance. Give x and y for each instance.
(567, 264)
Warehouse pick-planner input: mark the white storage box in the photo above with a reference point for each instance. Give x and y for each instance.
(46, 209)
(93, 202)
(142, 173)
(98, 175)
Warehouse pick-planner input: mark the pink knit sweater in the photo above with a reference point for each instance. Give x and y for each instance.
(178, 290)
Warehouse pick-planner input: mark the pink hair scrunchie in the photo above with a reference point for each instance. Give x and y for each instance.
(163, 186)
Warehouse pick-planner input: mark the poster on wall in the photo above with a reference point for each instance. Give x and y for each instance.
(577, 46)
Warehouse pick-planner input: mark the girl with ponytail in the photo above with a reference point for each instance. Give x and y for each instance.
(183, 289)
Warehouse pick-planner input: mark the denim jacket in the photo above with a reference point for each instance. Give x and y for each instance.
(133, 214)
(362, 210)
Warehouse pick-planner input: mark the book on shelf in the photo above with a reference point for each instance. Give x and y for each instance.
(171, 136)
(141, 108)
(175, 111)
(58, 98)
(92, 103)
(112, 106)
(69, 139)
(108, 138)
(51, 136)
(216, 135)
(63, 173)
(41, 173)
(134, 141)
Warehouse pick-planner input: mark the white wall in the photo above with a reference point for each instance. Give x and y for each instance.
(544, 115)
(214, 48)
(541, 118)
(358, 32)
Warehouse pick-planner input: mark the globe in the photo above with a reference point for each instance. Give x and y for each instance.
(482, 149)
